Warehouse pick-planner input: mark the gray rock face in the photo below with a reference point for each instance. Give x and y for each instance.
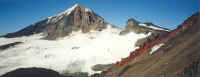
(74, 19)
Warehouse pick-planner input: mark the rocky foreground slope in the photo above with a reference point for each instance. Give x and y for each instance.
(178, 56)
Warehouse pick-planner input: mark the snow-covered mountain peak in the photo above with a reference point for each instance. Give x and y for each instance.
(76, 18)
(57, 17)
(69, 10)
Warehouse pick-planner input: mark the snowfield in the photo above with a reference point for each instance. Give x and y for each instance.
(75, 53)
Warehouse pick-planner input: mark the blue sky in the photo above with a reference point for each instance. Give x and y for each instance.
(17, 14)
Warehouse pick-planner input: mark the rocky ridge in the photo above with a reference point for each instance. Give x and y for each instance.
(135, 26)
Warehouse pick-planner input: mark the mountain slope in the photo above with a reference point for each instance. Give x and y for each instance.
(178, 56)
(74, 19)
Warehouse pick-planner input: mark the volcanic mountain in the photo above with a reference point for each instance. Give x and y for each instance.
(176, 54)
(74, 19)
(73, 41)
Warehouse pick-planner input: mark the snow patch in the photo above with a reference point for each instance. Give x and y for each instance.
(155, 48)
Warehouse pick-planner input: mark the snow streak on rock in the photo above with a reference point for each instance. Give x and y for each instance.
(155, 48)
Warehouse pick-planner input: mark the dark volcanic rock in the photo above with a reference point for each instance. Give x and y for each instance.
(3, 47)
(32, 72)
(75, 19)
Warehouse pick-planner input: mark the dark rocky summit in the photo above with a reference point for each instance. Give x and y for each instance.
(135, 26)
(74, 19)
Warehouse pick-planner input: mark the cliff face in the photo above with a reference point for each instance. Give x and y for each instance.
(76, 18)
(177, 57)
